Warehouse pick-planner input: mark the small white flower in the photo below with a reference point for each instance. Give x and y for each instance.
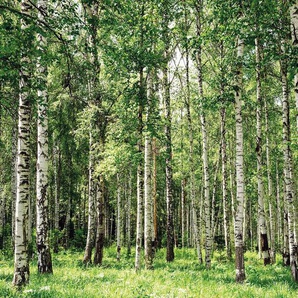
(29, 291)
(46, 288)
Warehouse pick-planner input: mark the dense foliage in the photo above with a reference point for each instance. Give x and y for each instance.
(111, 67)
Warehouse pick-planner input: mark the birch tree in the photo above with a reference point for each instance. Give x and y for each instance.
(21, 258)
(240, 192)
(91, 202)
(42, 223)
(148, 198)
(191, 165)
(118, 229)
(140, 173)
(208, 230)
(261, 209)
(294, 31)
(287, 152)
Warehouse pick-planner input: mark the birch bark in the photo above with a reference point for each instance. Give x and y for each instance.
(208, 230)
(261, 208)
(226, 207)
(148, 199)
(140, 175)
(91, 203)
(273, 222)
(42, 222)
(128, 214)
(118, 229)
(289, 195)
(191, 163)
(169, 174)
(21, 258)
(239, 214)
(294, 31)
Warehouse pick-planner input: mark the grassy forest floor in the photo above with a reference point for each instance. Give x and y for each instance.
(182, 278)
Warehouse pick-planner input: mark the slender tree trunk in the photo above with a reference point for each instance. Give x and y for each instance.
(289, 195)
(57, 175)
(294, 31)
(155, 193)
(118, 229)
(183, 213)
(148, 199)
(100, 199)
(140, 175)
(148, 203)
(169, 174)
(100, 210)
(214, 218)
(190, 159)
(208, 231)
(13, 182)
(239, 252)
(91, 204)
(261, 208)
(21, 258)
(280, 211)
(128, 215)
(226, 207)
(286, 252)
(42, 222)
(273, 223)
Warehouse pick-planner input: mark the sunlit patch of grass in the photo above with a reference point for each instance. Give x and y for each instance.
(182, 278)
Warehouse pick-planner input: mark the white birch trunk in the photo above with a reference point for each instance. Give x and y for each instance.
(118, 229)
(148, 203)
(214, 219)
(289, 195)
(128, 214)
(280, 210)
(139, 233)
(90, 241)
(294, 31)
(232, 192)
(183, 213)
(208, 230)
(239, 252)
(191, 162)
(226, 207)
(140, 179)
(168, 134)
(100, 212)
(21, 258)
(264, 249)
(13, 181)
(285, 232)
(273, 223)
(169, 173)
(57, 169)
(155, 193)
(148, 199)
(42, 222)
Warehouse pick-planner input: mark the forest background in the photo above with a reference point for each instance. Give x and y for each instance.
(149, 124)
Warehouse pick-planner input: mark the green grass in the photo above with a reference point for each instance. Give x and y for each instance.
(182, 278)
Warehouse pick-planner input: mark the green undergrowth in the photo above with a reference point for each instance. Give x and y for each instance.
(182, 278)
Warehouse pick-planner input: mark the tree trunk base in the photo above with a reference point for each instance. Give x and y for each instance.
(294, 271)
